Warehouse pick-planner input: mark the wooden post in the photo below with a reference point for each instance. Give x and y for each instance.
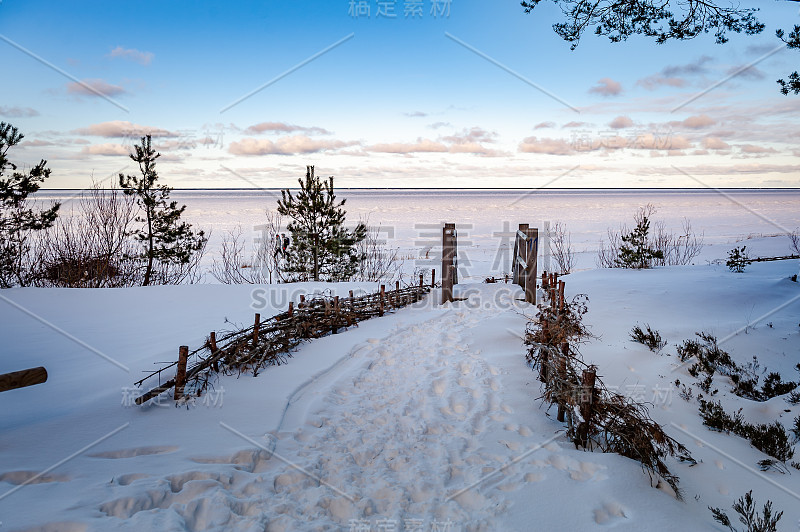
(180, 375)
(256, 326)
(383, 295)
(302, 301)
(212, 344)
(22, 378)
(562, 374)
(335, 326)
(291, 308)
(545, 284)
(433, 278)
(587, 396)
(552, 297)
(561, 296)
(448, 252)
(396, 297)
(421, 281)
(532, 252)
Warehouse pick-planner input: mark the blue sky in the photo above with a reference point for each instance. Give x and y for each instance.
(397, 104)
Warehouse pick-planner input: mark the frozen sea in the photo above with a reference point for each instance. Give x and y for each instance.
(409, 218)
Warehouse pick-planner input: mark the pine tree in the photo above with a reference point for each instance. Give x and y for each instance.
(635, 252)
(17, 220)
(165, 239)
(322, 248)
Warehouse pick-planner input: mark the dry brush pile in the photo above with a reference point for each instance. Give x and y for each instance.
(595, 416)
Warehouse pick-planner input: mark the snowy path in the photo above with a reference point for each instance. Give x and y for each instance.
(391, 439)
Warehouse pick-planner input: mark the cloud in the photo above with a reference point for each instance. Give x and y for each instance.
(670, 76)
(420, 146)
(746, 72)
(575, 124)
(123, 128)
(607, 87)
(292, 145)
(437, 125)
(17, 112)
(752, 149)
(547, 146)
(695, 68)
(475, 134)
(695, 122)
(620, 122)
(416, 114)
(543, 125)
(109, 149)
(91, 87)
(143, 58)
(657, 80)
(650, 141)
(281, 127)
(714, 143)
(760, 49)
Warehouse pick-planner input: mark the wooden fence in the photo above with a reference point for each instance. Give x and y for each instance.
(269, 342)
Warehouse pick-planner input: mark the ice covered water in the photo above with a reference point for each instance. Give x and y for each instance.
(411, 219)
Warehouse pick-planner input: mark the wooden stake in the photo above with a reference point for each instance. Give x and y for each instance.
(561, 295)
(256, 327)
(448, 256)
(335, 321)
(291, 308)
(587, 396)
(383, 295)
(212, 344)
(180, 375)
(302, 301)
(545, 284)
(433, 278)
(562, 374)
(420, 280)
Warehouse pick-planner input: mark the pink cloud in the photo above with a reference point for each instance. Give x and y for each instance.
(713, 143)
(91, 87)
(620, 122)
(123, 128)
(285, 146)
(547, 146)
(607, 87)
(143, 58)
(110, 149)
(420, 146)
(752, 149)
(696, 122)
(282, 127)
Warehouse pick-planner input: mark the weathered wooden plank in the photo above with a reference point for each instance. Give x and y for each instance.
(22, 378)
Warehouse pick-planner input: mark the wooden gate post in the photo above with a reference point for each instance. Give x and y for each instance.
(383, 295)
(180, 375)
(520, 252)
(448, 253)
(532, 251)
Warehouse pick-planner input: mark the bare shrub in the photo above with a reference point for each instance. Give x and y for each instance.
(678, 249)
(794, 239)
(379, 262)
(264, 265)
(608, 254)
(561, 243)
(90, 247)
